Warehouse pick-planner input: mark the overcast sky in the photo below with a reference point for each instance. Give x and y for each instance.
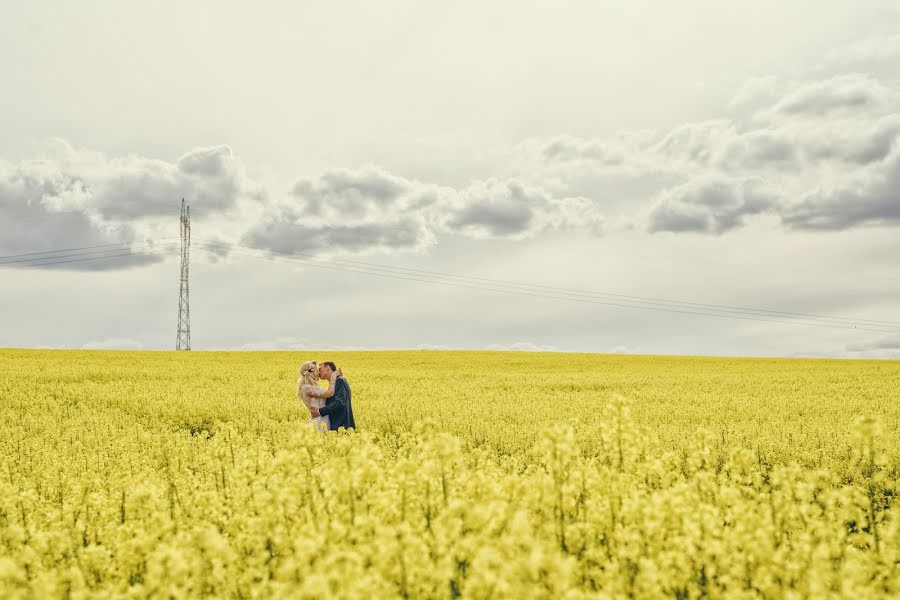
(731, 154)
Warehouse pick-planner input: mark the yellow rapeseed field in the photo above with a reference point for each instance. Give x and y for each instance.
(473, 474)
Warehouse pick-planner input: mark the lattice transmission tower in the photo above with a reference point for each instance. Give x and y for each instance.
(184, 305)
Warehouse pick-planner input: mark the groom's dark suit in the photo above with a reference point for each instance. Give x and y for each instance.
(338, 408)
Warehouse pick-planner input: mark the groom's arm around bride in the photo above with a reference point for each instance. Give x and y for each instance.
(338, 408)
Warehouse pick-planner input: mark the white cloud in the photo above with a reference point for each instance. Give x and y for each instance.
(114, 344)
(523, 347)
(625, 349)
(282, 343)
(292, 344)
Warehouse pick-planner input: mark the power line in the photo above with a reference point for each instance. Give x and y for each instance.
(470, 282)
(149, 245)
(616, 300)
(550, 295)
(84, 248)
(60, 262)
(570, 291)
(524, 286)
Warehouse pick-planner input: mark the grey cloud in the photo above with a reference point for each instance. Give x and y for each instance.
(625, 152)
(857, 143)
(326, 238)
(568, 148)
(32, 223)
(368, 183)
(775, 143)
(370, 209)
(498, 209)
(77, 198)
(695, 142)
(399, 235)
(211, 161)
(212, 179)
(852, 118)
(710, 205)
(839, 133)
(144, 188)
(854, 141)
(496, 218)
(779, 145)
(851, 92)
(759, 149)
(352, 194)
(514, 209)
(578, 213)
(870, 197)
(350, 211)
(729, 169)
(885, 343)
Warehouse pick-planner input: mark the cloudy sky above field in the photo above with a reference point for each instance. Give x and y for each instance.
(729, 154)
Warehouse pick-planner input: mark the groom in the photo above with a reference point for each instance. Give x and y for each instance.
(338, 408)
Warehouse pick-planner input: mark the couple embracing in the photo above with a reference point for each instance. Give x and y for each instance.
(331, 408)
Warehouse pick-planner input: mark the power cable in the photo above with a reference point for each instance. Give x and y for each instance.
(2, 258)
(25, 261)
(582, 294)
(52, 257)
(74, 260)
(547, 295)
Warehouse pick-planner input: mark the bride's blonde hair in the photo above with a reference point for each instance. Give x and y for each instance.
(309, 372)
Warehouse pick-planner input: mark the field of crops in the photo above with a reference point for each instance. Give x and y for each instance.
(473, 474)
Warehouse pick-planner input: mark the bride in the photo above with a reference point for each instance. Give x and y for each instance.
(311, 394)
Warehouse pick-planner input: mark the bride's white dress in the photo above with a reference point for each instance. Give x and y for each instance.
(313, 395)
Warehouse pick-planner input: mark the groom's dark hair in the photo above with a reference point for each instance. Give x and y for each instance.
(330, 365)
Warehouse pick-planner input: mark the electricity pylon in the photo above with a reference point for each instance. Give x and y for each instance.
(184, 308)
